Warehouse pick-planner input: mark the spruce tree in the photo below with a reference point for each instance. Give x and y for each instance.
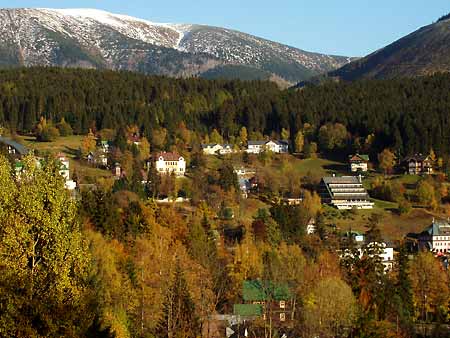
(179, 320)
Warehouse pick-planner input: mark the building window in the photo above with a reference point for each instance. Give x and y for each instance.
(282, 304)
(282, 317)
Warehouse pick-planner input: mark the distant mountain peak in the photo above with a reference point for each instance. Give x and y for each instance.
(423, 52)
(87, 37)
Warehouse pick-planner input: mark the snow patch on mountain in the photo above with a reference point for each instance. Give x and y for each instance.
(70, 36)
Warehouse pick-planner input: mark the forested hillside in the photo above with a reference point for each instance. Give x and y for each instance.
(408, 115)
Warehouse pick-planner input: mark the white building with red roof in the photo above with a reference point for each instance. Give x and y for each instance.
(170, 162)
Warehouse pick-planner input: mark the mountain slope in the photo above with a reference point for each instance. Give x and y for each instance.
(423, 52)
(98, 39)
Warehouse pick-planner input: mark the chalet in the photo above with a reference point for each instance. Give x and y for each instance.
(168, 163)
(418, 165)
(358, 162)
(345, 192)
(436, 238)
(264, 299)
(257, 147)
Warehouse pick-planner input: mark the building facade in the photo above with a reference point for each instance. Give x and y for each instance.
(418, 165)
(263, 299)
(358, 162)
(257, 147)
(436, 238)
(168, 163)
(345, 193)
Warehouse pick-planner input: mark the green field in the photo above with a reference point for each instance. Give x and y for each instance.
(68, 146)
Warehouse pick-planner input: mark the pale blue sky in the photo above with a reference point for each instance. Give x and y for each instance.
(346, 27)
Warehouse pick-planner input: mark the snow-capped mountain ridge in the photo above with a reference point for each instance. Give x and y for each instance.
(96, 38)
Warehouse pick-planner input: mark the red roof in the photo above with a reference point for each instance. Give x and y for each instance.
(168, 156)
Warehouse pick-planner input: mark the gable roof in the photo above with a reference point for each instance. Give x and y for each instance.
(21, 149)
(438, 228)
(416, 158)
(171, 156)
(255, 290)
(358, 157)
(256, 143)
(281, 142)
(248, 310)
(341, 180)
(209, 145)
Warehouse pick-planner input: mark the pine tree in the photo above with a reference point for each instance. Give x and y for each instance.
(179, 320)
(404, 290)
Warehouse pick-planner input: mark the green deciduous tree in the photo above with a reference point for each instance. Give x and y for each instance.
(44, 260)
(64, 128)
(426, 194)
(215, 137)
(332, 136)
(330, 309)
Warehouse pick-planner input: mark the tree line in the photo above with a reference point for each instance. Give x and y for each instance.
(405, 115)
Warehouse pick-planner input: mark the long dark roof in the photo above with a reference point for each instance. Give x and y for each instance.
(341, 180)
(21, 149)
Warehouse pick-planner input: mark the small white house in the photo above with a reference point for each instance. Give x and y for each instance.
(168, 163)
(215, 148)
(279, 147)
(257, 147)
(64, 171)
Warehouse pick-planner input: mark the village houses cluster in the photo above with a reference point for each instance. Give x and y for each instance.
(340, 192)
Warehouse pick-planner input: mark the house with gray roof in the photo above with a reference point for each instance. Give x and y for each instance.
(14, 148)
(436, 238)
(344, 193)
(257, 147)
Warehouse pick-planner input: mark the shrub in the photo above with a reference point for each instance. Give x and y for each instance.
(64, 128)
(48, 134)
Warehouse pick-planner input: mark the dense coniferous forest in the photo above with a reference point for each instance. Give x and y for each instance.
(408, 115)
